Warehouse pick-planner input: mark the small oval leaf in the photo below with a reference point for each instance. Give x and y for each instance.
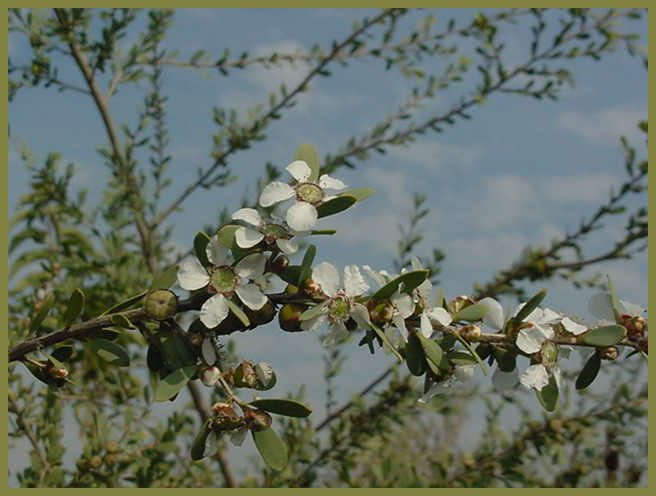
(110, 352)
(288, 408)
(198, 444)
(42, 312)
(410, 281)
(308, 154)
(604, 336)
(272, 449)
(201, 240)
(472, 313)
(414, 355)
(589, 371)
(132, 300)
(433, 351)
(530, 305)
(62, 353)
(74, 308)
(358, 193)
(305, 271)
(165, 279)
(335, 205)
(548, 396)
(172, 384)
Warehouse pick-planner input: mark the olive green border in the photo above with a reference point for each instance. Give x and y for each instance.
(290, 4)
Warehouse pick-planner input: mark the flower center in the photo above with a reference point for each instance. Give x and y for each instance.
(549, 353)
(310, 193)
(223, 279)
(339, 308)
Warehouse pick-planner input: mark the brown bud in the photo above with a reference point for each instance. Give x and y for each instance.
(160, 304)
(279, 264)
(257, 420)
(470, 332)
(459, 302)
(95, 462)
(110, 460)
(289, 317)
(245, 375)
(311, 287)
(111, 447)
(609, 353)
(210, 375)
(380, 312)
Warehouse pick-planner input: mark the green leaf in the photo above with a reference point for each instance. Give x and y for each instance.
(414, 355)
(379, 332)
(198, 444)
(312, 312)
(309, 155)
(75, 307)
(272, 449)
(614, 301)
(472, 352)
(111, 352)
(548, 396)
(306, 265)
(335, 205)
(410, 281)
(132, 300)
(604, 336)
(589, 371)
(165, 279)
(239, 313)
(291, 274)
(121, 320)
(45, 306)
(172, 384)
(154, 358)
(289, 408)
(530, 305)
(358, 193)
(226, 236)
(318, 232)
(461, 358)
(472, 313)
(434, 353)
(201, 240)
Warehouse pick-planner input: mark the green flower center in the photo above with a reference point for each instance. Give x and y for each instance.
(310, 193)
(274, 231)
(549, 353)
(223, 280)
(339, 308)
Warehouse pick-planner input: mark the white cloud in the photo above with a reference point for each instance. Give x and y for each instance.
(606, 125)
(588, 189)
(434, 156)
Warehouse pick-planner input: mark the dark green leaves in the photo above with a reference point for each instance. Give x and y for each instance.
(359, 194)
(201, 240)
(289, 408)
(132, 300)
(305, 271)
(111, 352)
(309, 155)
(335, 205)
(414, 355)
(604, 336)
(433, 352)
(40, 315)
(472, 313)
(171, 385)
(74, 308)
(386, 342)
(410, 281)
(198, 444)
(165, 279)
(272, 449)
(530, 305)
(589, 371)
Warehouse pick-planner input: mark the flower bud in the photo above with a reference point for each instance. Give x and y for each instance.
(635, 325)
(226, 417)
(608, 353)
(549, 353)
(291, 289)
(95, 462)
(279, 264)
(257, 420)
(260, 317)
(112, 447)
(380, 312)
(110, 460)
(289, 317)
(458, 303)
(160, 304)
(312, 287)
(244, 375)
(210, 375)
(470, 332)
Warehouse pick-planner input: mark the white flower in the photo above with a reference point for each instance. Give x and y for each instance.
(302, 215)
(537, 376)
(573, 327)
(422, 296)
(224, 279)
(247, 237)
(601, 307)
(341, 305)
(461, 375)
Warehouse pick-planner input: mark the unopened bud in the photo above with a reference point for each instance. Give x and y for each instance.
(312, 287)
(210, 376)
(609, 353)
(635, 325)
(289, 317)
(458, 303)
(111, 447)
(110, 460)
(244, 375)
(262, 316)
(380, 313)
(95, 462)
(226, 417)
(470, 332)
(257, 420)
(160, 304)
(549, 353)
(279, 264)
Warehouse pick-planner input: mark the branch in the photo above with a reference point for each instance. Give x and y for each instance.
(273, 111)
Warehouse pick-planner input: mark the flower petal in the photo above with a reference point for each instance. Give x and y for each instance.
(208, 352)
(399, 322)
(287, 246)
(336, 334)
(299, 170)
(374, 275)
(632, 308)
(550, 316)
(237, 436)
(325, 274)
(275, 192)
(249, 215)
(214, 311)
(247, 237)
(327, 182)
(301, 216)
(192, 275)
(440, 315)
(530, 339)
(251, 295)
(361, 315)
(536, 377)
(572, 327)
(251, 266)
(403, 304)
(217, 253)
(505, 381)
(601, 307)
(264, 373)
(424, 290)
(416, 264)
(494, 316)
(354, 283)
(315, 323)
(425, 325)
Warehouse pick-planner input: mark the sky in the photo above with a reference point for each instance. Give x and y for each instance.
(520, 172)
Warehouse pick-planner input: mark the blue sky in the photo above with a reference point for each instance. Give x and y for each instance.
(522, 171)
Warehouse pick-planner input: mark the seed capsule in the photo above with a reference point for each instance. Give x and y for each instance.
(160, 304)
